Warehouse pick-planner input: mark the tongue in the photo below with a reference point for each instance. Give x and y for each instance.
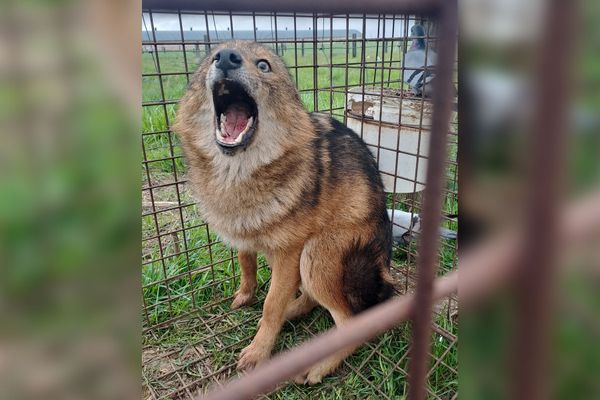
(237, 115)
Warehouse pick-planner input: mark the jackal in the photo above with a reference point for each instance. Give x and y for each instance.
(299, 187)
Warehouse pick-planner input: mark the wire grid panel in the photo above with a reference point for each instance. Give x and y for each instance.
(342, 65)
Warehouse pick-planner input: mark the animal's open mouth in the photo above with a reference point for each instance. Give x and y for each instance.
(235, 112)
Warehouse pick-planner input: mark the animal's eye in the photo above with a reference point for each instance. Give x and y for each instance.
(263, 65)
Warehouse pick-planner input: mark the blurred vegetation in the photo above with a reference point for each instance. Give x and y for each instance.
(487, 332)
(69, 197)
(69, 211)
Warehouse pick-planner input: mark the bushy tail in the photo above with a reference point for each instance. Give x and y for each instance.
(365, 285)
(366, 272)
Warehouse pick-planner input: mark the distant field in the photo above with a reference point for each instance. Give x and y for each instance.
(173, 61)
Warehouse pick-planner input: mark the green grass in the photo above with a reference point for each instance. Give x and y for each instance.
(201, 282)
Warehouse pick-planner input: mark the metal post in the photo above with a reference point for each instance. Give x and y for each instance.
(432, 207)
(540, 255)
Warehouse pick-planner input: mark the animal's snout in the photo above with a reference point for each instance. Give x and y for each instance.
(227, 59)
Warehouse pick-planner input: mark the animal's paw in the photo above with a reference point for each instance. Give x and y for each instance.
(316, 373)
(252, 356)
(242, 299)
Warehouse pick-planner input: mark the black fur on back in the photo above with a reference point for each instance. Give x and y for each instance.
(350, 158)
(363, 283)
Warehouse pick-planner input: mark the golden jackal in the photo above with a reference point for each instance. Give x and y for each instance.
(301, 188)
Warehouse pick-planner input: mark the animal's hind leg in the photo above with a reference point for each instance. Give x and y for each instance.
(245, 294)
(322, 278)
(300, 306)
(325, 367)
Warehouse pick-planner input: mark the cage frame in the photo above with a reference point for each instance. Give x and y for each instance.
(442, 105)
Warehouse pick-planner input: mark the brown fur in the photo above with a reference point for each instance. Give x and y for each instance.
(305, 192)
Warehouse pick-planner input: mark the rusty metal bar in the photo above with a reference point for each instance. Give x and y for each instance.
(315, 69)
(247, 13)
(421, 7)
(432, 207)
(483, 271)
(541, 254)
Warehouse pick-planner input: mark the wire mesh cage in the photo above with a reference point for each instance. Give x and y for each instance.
(351, 67)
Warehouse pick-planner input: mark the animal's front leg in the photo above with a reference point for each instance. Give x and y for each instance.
(245, 293)
(285, 281)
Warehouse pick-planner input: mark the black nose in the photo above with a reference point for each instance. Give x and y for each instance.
(228, 59)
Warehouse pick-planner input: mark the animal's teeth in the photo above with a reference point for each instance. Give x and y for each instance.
(222, 132)
(223, 117)
(241, 135)
(248, 125)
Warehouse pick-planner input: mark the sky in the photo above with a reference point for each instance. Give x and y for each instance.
(222, 23)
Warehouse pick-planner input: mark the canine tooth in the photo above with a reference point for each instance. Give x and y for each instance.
(223, 117)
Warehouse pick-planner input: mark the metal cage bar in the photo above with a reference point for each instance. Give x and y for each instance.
(433, 198)
(540, 254)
